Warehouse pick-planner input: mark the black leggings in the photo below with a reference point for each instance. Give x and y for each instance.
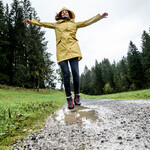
(66, 75)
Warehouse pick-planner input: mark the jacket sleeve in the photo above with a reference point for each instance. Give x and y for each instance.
(89, 21)
(43, 24)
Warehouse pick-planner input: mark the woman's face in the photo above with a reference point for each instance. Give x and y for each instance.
(64, 13)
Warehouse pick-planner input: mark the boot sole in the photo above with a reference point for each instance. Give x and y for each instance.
(70, 107)
(78, 104)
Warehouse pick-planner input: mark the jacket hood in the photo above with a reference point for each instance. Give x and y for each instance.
(64, 8)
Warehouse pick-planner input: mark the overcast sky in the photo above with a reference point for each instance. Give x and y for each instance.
(107, 38)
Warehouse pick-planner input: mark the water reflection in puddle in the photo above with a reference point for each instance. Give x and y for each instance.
(79, 115)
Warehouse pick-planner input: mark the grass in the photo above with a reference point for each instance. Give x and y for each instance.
(141, 94)
(25, 109)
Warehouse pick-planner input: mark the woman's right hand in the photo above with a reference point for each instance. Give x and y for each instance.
(104, 15)
(27, 21)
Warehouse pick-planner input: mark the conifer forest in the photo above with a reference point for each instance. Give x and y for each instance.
(25, 62)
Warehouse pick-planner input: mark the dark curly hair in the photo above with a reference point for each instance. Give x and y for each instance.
(58, 16)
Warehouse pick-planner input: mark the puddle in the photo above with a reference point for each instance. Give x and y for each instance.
(79, 115)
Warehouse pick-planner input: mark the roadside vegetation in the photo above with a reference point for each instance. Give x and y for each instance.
(22, 111)
(140, 94)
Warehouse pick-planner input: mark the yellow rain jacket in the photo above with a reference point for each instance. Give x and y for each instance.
(66, 41)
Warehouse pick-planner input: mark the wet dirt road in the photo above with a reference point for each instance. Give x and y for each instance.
(96, 124)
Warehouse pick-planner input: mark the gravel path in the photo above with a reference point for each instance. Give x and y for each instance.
(97, 124)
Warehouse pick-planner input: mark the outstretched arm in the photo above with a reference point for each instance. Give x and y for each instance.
(38, 23)
(91, 20)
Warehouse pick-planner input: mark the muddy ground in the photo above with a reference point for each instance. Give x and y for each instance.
(96, 124)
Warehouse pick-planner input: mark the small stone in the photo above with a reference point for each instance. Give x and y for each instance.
(102, 141)
(138, 137)
(121, 143)
(33, 138)
(129, 139)
(144, 128)
(122, 122)
(119, 138)
(83, 132)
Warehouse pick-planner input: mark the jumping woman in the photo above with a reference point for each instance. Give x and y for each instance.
(68, 50)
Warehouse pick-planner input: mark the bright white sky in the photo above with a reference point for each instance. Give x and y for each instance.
(108, 38)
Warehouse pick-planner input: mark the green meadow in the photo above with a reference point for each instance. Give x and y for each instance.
(23, 110)
(141, 94)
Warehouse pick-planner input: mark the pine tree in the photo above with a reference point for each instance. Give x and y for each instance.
(10, 49)
(107, 72)
(146, 58)
(48, 76)
(36, 56)
(4, 54)
(18, 45)
(60, 77)
(25, 61)
(97, 80)
(134, 66)
(121, 78)
(116, 77)
(124, 75)
(85, 81)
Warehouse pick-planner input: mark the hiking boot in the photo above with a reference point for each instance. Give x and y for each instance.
(77, 99)
(70, 102)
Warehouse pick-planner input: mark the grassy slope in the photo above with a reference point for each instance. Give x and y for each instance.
(25, 109)
(141, 94)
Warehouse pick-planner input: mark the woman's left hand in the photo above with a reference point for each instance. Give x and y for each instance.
(104, 15)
